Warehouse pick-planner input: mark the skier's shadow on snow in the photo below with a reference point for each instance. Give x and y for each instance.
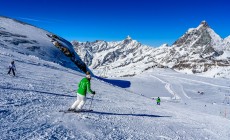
(119, 114)
(43, 92)
(119, 83)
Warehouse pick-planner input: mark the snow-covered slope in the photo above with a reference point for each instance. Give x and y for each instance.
(30, 103)
(199, 50)
(29, 40)
(226, 43)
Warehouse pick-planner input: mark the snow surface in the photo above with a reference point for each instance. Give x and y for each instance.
(30, 40)
(30, 103)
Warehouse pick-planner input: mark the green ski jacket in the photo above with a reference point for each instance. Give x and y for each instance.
(84, 86)
(158, 100)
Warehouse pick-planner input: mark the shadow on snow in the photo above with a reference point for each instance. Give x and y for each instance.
(119, 83)
(119, 114)
(44, 92)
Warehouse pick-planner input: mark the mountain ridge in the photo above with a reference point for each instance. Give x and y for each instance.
(199, 50)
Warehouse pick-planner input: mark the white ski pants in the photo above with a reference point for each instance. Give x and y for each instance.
(79, 103)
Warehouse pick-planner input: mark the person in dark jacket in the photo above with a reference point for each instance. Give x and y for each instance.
(12, 68)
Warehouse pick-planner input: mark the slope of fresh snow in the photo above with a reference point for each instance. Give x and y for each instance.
(30, 103)
(164, 46)
(30, 40)
(226, 43)
(216, 39)
(227, 39)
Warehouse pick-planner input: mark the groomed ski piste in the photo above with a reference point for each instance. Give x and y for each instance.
(30, 104)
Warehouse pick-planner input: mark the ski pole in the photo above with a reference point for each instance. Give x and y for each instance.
(91, 102)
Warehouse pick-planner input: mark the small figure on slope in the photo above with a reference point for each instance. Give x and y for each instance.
(12, 68)
(158, 101)
(83, 88)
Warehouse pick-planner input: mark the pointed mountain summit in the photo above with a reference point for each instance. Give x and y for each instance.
(203, 35)
(204, 24)
(128, 38)
(199, 44)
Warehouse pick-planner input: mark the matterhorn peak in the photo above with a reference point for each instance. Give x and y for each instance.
(203, 24)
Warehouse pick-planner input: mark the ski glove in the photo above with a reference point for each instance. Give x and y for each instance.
(94, 93)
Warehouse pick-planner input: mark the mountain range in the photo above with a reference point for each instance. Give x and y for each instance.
(199, 51)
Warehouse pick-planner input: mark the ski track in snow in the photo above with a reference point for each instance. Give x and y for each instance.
(185, 94)
(197, 81)
(168, 88)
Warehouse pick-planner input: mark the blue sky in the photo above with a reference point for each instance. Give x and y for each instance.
(151, 22)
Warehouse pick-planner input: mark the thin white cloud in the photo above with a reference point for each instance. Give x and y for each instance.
(40, 20)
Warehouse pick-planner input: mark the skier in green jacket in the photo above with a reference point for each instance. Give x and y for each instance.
(158, 101)
(83, 88)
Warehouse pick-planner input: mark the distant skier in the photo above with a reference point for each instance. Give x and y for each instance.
(12, 68)
(158, 101)
(83, 88)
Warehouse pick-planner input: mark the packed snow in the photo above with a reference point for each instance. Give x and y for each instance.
(30, 104)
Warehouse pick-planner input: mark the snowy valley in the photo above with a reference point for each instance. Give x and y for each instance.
(47, 77)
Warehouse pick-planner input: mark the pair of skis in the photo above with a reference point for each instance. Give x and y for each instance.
(79, 111)
(76, 111)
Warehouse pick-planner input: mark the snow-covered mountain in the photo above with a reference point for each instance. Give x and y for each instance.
(122, 58)
(30, 40)
(199, 50)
